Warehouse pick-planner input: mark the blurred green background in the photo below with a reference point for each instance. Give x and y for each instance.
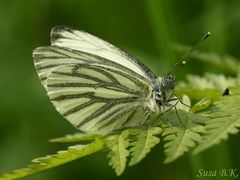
(144, 28)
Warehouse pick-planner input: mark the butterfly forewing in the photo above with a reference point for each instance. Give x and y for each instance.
(84, 42)
(97, 99)
(48, 58)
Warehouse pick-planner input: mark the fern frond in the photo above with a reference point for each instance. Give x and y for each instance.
(74, 138)
(50, 161)
(211, 81)
(210, 85)
(118, 145)
(224, 119)
(198, 94)
(144, 141)
(183, 135)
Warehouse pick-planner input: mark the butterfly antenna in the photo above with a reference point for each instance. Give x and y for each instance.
(183, 60)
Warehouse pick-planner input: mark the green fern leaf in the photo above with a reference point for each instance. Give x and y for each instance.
(211, 81)
(50, 161)
(74, 138)
(118, 145)
(145, 141)
(210, 85)
(198, 94)
(183, 135)
(224, 119)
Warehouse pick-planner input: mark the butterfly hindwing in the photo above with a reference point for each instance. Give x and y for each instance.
(97, 99)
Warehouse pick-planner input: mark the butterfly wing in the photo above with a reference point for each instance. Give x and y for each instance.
(95, 85)
(98, 99)
(84, 42)
(48, 58)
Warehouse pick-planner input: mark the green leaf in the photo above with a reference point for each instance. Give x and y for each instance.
(50, 161)
(74, 138)
(145, 141)
(210, 85)
(224, 119)
(211, 81)
(198, 94)
(235, 90)
(118, 145)
(183, 134)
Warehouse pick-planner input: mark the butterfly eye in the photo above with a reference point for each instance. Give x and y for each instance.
(168, 82)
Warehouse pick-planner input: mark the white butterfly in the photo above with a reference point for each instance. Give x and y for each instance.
(96, 86)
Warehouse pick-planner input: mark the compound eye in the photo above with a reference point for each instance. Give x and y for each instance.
(168, 82)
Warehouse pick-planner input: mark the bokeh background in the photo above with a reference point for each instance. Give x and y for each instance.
(144, 28)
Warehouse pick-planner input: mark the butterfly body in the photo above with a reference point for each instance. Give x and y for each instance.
(95, 85)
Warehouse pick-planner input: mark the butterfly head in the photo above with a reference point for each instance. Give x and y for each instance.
(162, 93)
(165, 92)
(167, 83)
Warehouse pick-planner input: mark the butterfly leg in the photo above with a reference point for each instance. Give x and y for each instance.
(179, 99)
(176, 110)
(164, 113)
(165, 117)
(179, 119)
(143, 119)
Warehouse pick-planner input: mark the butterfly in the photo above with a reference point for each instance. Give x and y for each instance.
(98, 87)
